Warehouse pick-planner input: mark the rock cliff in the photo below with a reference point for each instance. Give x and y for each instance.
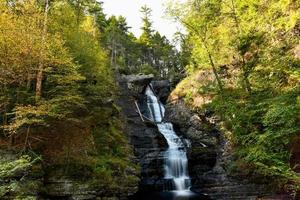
(148, 144)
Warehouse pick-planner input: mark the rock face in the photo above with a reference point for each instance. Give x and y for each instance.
(209, 155)
(148, 144)
(162, 89)
(64, 187)
(135, 83)
(58, 184)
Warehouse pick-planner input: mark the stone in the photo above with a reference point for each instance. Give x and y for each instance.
(58, 187)
(138, 79)
(179, 115)
(297, 52)
(135, 84)
(195, 121)
(162, 89)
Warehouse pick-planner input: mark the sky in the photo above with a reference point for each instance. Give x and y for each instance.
(130, 9)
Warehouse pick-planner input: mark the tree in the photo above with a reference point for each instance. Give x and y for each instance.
(86, 51)
(39, 76)
(96, 10)
(201, 19)
(29, 53)
(147, 29)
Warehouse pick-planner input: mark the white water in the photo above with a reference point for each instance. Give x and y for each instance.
(155, 107)
(176, 162)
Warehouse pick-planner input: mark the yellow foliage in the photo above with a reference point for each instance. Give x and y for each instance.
(88, 25)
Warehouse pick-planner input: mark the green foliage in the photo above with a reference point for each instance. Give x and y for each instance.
(86, 52)
(113, 168)
(8, 169)
(263, 128)
(252, 45)
(147, 69)
(61, 79)
(76, 73)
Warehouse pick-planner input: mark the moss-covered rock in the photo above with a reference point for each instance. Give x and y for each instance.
(20, 176)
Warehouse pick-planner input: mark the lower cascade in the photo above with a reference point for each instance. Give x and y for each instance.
(176, 162)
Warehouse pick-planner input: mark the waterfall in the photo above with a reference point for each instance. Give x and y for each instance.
(176, 163)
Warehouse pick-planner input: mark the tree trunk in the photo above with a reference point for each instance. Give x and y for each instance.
(95, 21)
(39, 81)
(246, 83)
(27, 138)
(78, 13)
(28, 85)
(39, 76)
(112, 56)
(220, 85)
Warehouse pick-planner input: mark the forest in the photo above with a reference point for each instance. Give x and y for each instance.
(60, 62)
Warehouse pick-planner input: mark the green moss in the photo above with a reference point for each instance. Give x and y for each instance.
(11, 168)
(18, 174)
(25, 198)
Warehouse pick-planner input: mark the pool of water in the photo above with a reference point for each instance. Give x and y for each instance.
(170, 195)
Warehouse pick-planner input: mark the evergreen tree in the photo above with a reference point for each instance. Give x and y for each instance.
(147, 29)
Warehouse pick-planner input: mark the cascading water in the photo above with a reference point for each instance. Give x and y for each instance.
(175, 157)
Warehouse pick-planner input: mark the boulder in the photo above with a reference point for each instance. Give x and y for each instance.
(135, 84)
(162, 89)
(179, 115)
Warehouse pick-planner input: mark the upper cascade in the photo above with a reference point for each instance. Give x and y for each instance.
(155, 107)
